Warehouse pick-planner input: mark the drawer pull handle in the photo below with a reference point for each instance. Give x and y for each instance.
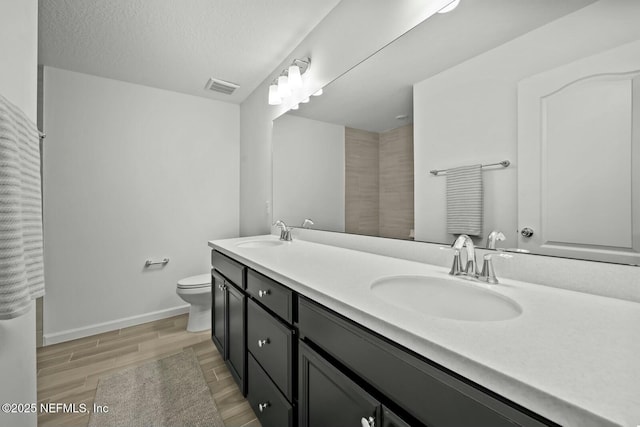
(371, 422)
(262, 293)
(263, 406)
(263, 342)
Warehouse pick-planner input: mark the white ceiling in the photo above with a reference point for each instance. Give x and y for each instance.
(176, 44)
(372, 94)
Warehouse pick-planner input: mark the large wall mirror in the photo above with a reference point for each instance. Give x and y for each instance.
(550, 86)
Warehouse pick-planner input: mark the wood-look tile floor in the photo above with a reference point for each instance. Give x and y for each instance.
(69, 372)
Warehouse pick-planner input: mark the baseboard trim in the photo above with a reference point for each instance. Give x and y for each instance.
(98, 328)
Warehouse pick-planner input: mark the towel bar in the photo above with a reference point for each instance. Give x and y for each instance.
(504, 163)
(152, 262)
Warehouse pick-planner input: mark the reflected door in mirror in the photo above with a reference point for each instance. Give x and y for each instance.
(579, 157)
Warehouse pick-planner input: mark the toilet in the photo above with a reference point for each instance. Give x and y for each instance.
(196, 290)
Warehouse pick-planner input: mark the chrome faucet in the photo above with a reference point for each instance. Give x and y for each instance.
(470, 267)
(493, 237)
(307, 223)
(487, 274)
(285, 232)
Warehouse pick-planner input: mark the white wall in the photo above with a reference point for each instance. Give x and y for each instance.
(351, 32)
(18, 83)
(468, 113)
(618, 281)
(308, 172)
(130, 172)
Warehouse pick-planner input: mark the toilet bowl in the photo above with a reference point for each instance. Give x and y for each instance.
(196, 290)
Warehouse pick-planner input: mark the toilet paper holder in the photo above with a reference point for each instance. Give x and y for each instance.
(151, 262)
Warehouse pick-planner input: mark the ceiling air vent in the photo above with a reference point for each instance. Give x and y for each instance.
(221, 86)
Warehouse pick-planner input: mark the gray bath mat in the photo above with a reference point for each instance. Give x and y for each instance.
(170, 392)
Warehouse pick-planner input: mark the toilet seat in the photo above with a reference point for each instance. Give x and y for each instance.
(194, 282)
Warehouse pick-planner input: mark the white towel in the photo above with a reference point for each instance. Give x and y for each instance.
(21, 262)
(464, 200)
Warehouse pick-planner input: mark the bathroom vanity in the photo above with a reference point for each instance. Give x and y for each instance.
(317, 345)
(229, 314)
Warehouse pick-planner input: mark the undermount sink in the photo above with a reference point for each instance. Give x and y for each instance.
(259, 244)
(449, 298)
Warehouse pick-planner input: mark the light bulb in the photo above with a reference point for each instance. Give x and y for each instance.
(274, 98)
(449, 7)
(283, 87)
(295, 80)
(318, 92)
(305, 100)
(295, 107)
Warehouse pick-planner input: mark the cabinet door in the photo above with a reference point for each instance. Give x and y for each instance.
(329, 398)
(423, 390)
(236, 335)
(392, 420)
(218, 317)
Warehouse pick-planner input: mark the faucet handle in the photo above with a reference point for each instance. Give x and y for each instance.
(493, 237)
(307, 223)
(488, 274)
(456, 267)
(281, 224)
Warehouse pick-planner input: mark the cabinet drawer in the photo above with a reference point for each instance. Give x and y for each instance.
(231, 269)
(267, 402)
(271, 343)
(273, 295)
(427, 392)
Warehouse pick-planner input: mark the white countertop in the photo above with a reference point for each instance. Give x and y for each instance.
(571, 357)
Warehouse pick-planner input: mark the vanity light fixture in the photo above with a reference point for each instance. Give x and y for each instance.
(450, 6)
(304, 101)
(317, 93)
(295, 79)
(283, 87)
(289, 87)
(295, 107)
(274, 97)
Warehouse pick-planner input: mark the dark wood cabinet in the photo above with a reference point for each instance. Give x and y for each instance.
(218, 315)
(236, 333)
(271, 294)
(269, 405)
(302, 364)
(389, 419)
(329, 398)
(271, 343)
(228, 317)
(423, 389)
(231, 269)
